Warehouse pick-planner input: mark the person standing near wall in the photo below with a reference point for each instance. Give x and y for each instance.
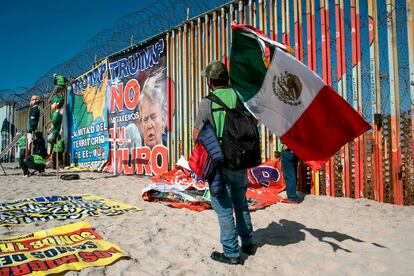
(55, 123)
(33, 121)
(35, 161)
(22, 154)
(290, 171)
(233, 197)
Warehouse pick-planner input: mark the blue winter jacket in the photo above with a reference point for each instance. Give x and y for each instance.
(207, 137)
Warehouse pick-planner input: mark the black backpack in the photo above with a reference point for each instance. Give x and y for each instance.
(240, 141)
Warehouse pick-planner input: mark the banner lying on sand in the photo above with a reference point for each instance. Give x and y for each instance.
(179, 188)
(69, 247)
(41, 209)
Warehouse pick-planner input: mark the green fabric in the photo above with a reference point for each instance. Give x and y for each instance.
(22, 141)
(229, 97)
(247, 69)
(60, 80)
(279, 145)
(57, 119)
(58, 147)
(59, 100)
(37, 159)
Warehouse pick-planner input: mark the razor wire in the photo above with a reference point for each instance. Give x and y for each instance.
(127, 31)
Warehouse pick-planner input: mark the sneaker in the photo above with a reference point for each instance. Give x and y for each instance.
(288, 201)
(248, 249)
(25, 175)
(219, 257)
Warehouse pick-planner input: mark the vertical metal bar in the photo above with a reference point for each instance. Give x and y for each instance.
(242, 13)
(273, 35)
(223, 29)
(180, 91)
(192, 91)
(325, 78)
(285, 40)
(395, 103)
(311, 42)
(170, 66)
(232, 19)
(232, 13)
(310, 26)
(298, 28)
(201, 57)
(375, 99)
(410, 32)
(207, 37)
(272, 19)
(341, 78)
(264, 17)
(355, 90)
(185, 91)
(176, 104)
(168, 72)
(216, 36)
(261, 25)
(250, 10)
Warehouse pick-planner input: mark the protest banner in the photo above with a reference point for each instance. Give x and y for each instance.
(41, 209)
(69, 247)
(87, 113)
(137, 102)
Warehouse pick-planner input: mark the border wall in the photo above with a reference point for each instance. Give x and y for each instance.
(363, 48)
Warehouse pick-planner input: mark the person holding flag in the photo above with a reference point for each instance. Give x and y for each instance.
(232, 196)
(310, 118)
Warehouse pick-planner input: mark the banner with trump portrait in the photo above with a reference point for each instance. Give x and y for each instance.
(137, 109)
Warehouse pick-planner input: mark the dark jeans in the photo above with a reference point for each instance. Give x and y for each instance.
(21, 161)
(233, 199)
(290, 168)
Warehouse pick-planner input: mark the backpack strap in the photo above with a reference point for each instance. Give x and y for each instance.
(217, 100)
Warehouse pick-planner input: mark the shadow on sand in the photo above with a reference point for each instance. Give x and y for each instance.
(287, 232)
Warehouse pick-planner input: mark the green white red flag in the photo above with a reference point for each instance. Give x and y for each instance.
(290, 99)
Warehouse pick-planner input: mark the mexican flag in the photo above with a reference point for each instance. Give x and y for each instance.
(290, 99)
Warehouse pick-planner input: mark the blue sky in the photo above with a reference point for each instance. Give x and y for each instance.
(37, 35)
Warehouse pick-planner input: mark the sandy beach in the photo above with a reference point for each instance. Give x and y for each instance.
(321, 236)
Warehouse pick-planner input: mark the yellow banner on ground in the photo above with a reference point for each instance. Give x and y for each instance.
(41, 209)
(69, 247)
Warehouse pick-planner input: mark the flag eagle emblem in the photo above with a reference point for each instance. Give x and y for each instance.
(288, 88)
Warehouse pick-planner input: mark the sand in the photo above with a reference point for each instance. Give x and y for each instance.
(321, 236)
